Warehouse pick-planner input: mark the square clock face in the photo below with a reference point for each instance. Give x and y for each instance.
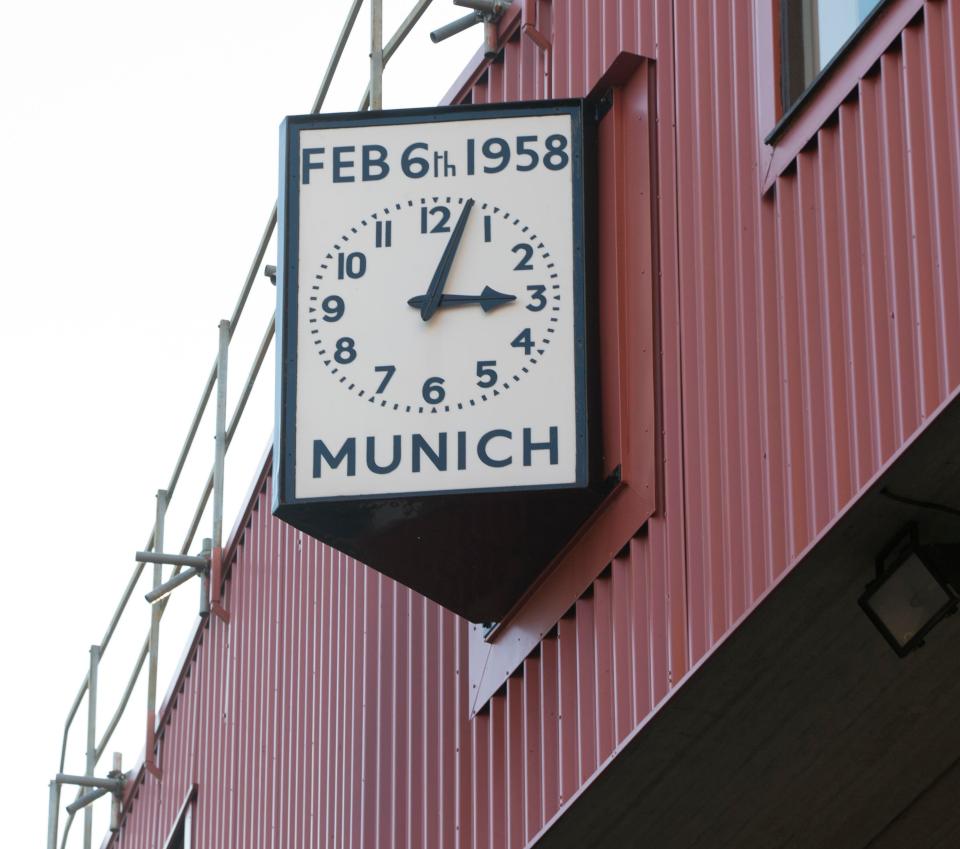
(431, 314)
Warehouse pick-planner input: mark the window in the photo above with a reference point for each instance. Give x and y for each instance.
(181, 835)
(812, 32)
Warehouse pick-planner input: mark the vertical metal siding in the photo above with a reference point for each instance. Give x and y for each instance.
(804, 335)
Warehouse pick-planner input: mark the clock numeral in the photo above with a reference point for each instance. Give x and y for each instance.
(486, 373)
(539, 299)
(523, 340)
(433, 391)
(333, 307)
(496, 148)
(346, 351)
(527, 251)
(533, 158)
(351, 265)
(556, 157)
(384, 234)
(442, 226)
(388, 372)
(487, 228)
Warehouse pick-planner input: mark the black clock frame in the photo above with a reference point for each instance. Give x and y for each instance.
(475, 551)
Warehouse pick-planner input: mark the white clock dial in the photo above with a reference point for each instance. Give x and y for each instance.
(432, 318)
(433, 304)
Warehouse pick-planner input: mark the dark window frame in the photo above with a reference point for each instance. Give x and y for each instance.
(793, 98)
(180, 835)
(781, 135)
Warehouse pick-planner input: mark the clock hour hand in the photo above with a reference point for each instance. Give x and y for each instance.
(488, 299)
(431, 300)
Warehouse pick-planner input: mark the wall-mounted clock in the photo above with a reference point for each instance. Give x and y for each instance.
(434, 325)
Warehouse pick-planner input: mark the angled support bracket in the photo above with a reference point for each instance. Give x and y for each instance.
(529, 28)
(216, 585)
(114, 783)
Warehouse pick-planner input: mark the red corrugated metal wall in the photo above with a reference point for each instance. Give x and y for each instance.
(805, 333)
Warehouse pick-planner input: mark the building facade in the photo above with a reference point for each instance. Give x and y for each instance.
(781, 298)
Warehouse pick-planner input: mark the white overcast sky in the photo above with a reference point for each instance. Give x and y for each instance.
(138, 166)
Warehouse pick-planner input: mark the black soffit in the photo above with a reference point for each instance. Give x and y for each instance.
(803, 728)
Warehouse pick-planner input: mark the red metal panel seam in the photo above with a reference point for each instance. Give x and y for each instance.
(324, 651)
(432, 724)
(728, 362)
(952, 45)
(418, 731)
(623, 657)
(611, 33)
(385, 713)
(902, 324)
(549, 725)
(712, 507)
(567, 685)
(349, 642)
(481, 780)
(604, 722)
(401, 660)
(346, 644)
(871, 185)
(586, 693)
(832, 318)
(448, 628)
(664, 153)
(592, 42)
(497, 774)
(246, 669)
(794, 507)
(286, 755)
(943, 139)
(513, 759)
(816, 409)
(746, 380)
(330, 566)
(465, 753)
(238, 600)
(298, 768)
(561, 53)
(545, 61)
(751, 212)
(920, 193)
(311, 791)
(688, 398)
(855, 296)
(261, 792)
(532, 751)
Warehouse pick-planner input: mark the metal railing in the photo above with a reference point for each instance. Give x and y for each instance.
(206, 564)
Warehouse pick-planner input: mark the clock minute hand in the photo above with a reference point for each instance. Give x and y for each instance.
(488, 299)
(431, 300)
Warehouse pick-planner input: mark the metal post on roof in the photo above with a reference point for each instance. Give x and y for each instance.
(220, 439)
(155, 613)
(91, 738)
(409, 22)
(376, 54)
(214, 550)
(206, 575)
(117, 801)
(53, 811)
